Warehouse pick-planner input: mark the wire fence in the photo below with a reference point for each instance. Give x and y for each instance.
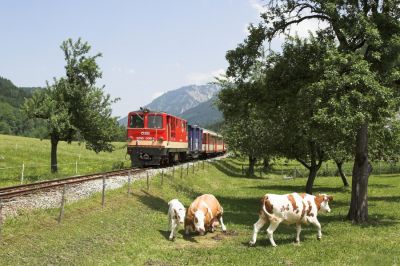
(27, 172)
(292, 170)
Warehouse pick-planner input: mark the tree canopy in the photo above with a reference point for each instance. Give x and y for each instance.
(345, 79)
(73, 106)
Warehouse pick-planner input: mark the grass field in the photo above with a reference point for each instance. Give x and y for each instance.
(133, 230)
(35, 155)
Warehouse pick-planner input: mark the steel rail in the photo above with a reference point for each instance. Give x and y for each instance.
(13, 191)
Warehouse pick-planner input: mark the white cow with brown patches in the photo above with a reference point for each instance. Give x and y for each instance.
(176, 216)
(204, 214)
(290, 209)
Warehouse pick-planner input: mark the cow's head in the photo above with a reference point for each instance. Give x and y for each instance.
(323, 201)
(180, 215)
(199, 217)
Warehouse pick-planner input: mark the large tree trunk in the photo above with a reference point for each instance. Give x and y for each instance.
(339, 165)
(311, 177)
(54, 143)
(358, 212)
(252, 162)
(315, 152)
(266, 164)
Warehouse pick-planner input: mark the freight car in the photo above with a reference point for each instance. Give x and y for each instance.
(158, 138)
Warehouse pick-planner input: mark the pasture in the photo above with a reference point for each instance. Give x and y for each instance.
(133, 229)
(34, 154)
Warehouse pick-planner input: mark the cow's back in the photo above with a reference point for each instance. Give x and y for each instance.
(289, 208)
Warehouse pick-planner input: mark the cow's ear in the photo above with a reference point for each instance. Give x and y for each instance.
(330, 198)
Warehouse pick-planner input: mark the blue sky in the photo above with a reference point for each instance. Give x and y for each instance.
(148, 46)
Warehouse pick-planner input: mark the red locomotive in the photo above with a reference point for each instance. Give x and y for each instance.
(158, 138)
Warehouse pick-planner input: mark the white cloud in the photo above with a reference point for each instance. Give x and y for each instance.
(203, 78)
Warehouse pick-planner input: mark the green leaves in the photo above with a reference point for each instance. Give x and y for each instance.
(73, 106)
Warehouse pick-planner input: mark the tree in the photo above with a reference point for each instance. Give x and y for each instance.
(368, 36)
(246, 129)
(73, 107)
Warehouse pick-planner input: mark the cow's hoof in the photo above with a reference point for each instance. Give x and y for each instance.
(224, 231)
(318, 238)
(297, 243)
(274, 245)
(252, 244)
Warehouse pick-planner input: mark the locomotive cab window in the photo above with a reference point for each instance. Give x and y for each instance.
(137, 121)
(154, 121)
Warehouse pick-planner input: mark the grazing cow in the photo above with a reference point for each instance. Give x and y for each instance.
(204, 214)
(176, 216)
(290, 209)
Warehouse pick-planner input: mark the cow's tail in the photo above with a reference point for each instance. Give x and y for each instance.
(264, 209)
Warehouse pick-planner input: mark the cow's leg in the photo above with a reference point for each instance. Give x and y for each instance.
(174, 227)
(188, 229)
(256, 228)
(298, 229)
(318, 225)
(222, 224)
(270, 232)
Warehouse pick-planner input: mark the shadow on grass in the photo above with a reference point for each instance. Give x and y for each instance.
(385, 198)
(165, 234)
(233, 171)
(153, 202)
(279, 189)
(191, 193)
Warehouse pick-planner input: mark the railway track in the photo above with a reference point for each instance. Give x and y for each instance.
(13, 191)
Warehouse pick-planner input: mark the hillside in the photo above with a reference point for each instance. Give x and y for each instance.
(12, 120)
(204, 114)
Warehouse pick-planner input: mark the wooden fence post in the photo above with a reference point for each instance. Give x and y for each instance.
(61, 216)
(147, 178)
(187, 169)
(129, 182)
(1, 217)
(203, 165)
(193, 168)
(162, 177)
(76, 167)
(181, 171)
(22, 173)
(242, 170)
(173, 170)
(104, 192)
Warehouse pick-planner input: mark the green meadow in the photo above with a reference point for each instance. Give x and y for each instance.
(32, 157)
(133, 230)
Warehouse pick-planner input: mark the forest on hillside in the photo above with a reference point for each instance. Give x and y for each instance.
(13, 121)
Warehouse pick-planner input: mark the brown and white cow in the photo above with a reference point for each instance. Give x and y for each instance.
(203, 215)
(290, 209)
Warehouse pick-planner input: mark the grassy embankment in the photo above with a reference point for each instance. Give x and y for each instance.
(133, 230)
(35, 155)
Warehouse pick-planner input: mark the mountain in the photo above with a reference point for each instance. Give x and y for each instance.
(184, 99)
(178, 101)
(204, 114)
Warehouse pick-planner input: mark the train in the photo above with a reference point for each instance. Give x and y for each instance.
(161, 139)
